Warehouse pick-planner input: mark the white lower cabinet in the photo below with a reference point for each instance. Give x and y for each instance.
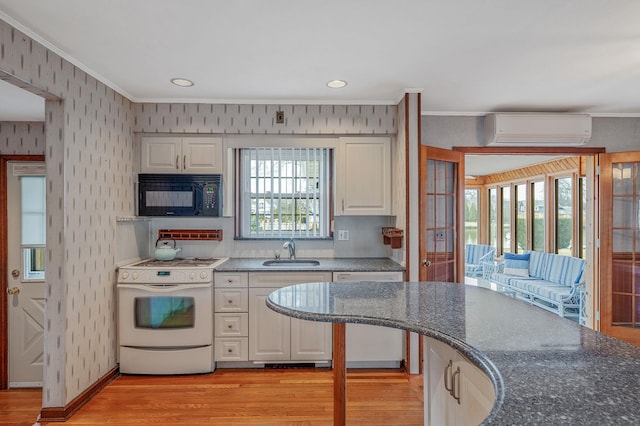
(231, 320)
(370, 346)
(274, 337)
(456, 391)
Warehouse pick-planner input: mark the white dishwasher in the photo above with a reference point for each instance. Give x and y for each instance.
(370, 346)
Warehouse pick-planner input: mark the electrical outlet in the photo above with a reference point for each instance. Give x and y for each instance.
(343, 235)
(280, 117)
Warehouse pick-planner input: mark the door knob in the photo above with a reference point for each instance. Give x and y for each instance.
(15, 273)
(426, 263)
(13, 290)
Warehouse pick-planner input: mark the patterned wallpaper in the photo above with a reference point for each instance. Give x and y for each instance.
(24, 138)
(89, 155)
(91, 164)
(260, 119)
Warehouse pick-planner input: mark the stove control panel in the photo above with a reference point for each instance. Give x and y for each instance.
(164, 276)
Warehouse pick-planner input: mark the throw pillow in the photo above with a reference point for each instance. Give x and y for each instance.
(516, 264)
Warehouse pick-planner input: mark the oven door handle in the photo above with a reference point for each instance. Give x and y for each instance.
(162, 288)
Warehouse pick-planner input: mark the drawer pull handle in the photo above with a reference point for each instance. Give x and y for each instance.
(229, 350)
(455, 388)
(447, 377)
(230, 302)
(230, 326)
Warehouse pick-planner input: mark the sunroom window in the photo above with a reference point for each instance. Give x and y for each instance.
(285, 192)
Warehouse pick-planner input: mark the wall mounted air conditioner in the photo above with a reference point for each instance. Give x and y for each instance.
(537, 129)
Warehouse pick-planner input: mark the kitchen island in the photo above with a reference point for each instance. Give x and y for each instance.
(544, 369)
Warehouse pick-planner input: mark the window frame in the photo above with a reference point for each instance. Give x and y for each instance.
(242, 204)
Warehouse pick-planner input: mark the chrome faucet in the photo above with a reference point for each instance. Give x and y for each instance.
(292, 248)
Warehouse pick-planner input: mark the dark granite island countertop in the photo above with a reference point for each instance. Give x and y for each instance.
(545, 369)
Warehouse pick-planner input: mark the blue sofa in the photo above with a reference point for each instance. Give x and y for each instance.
(550, 281)
(474, 256)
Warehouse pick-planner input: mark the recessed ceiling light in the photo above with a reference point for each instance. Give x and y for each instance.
(337, 84)
(182, 82)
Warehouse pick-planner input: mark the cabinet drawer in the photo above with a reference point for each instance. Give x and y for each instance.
(283, 279)
(231, 299)
(232, 325)
(232, 349)
(231, 279)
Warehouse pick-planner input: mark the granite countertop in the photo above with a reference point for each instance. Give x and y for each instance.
(545, 369)
(353, 264)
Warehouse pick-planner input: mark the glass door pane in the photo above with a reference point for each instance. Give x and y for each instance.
(620, 245)
(626, 245)
(441, 214)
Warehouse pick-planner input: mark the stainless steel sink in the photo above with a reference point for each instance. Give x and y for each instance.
(291, 262)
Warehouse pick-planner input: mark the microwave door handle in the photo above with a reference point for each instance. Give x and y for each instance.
(198, 199)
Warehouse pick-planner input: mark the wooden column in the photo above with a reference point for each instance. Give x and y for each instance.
(339, 375)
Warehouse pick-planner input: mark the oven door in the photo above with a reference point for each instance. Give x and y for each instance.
(165, 316)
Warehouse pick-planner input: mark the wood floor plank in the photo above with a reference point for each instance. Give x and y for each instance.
(239, 397)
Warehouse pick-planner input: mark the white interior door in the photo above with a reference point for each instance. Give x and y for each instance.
(26, 238)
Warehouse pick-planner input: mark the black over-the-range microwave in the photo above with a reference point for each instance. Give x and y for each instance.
(179, 195)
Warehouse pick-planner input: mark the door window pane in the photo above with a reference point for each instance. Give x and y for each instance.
(33, 226)
(626, 245)
(32, 196)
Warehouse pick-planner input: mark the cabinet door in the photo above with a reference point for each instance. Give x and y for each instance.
(202, 155)
(161, 155)
(364, 177)
(476, 394)
(269, 331)
(311, 340)
(439, 406)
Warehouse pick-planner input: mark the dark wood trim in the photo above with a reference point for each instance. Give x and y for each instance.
(62, 414)
(407, 219)
(4, 251)
(518, 150)
(339, 374)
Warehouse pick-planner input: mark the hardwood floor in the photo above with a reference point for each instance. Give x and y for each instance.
(238, 397)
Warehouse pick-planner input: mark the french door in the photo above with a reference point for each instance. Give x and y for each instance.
(441, 221)
(620, 245)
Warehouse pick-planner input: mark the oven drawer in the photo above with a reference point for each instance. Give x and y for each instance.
(232, 349)
(232, 325)
(231, 279)
(231, 300)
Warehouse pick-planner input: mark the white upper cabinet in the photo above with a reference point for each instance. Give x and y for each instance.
(197, 155)
(363, 177)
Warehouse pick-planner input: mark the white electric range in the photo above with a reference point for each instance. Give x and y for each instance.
(165, 316)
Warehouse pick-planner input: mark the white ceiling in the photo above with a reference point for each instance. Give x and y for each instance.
(467, 56)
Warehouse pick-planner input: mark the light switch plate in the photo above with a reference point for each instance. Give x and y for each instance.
(343, 235)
